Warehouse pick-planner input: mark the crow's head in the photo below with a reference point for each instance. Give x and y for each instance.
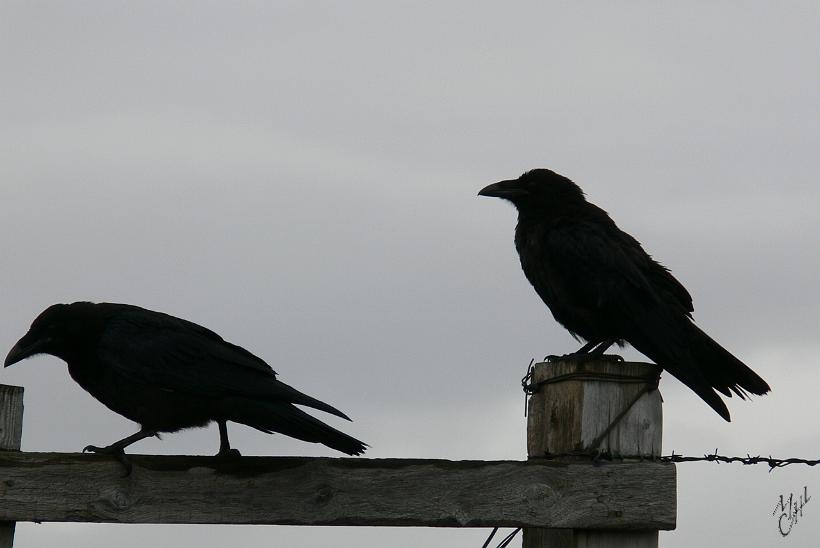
(58, 330)
(540, 188)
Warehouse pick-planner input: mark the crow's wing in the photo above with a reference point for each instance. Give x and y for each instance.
(594, 267)
(612, 284)
(155, 349)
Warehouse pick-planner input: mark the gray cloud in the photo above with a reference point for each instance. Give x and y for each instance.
(302, 179)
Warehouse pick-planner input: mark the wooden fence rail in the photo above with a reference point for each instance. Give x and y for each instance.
(605, 406)
(331, 491)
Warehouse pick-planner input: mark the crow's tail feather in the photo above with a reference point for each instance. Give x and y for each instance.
(284, 392)
(290, 420)
(700, 363)
(722, 370)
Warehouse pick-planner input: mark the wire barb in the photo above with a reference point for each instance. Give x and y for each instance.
(526, 383)
(652, 381)
(674, 458)
(747, 460)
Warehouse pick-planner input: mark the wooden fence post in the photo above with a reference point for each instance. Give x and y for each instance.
(571, 411)
(11, 433)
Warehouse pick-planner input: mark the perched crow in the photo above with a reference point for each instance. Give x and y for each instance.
(167, 374)
(601, 285)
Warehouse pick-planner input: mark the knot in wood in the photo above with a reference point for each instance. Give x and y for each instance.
(201, 471)
(117, 500)
(538, 493)
(323, 494)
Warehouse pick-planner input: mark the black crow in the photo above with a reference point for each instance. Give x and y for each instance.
(604, 288)
(167, 374)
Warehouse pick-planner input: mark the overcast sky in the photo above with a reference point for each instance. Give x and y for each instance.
(302, 177)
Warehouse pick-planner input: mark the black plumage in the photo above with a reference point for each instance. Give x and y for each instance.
(167, 374)
(604, 288)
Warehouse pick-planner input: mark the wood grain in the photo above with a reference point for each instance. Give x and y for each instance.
(567, 415)
(324, 491)
(11, 417)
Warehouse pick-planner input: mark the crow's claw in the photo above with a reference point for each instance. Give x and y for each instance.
(116, 452)
(583, 358)
(229, 454)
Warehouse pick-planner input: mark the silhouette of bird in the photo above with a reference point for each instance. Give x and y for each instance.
(604, 288)
(166, 374)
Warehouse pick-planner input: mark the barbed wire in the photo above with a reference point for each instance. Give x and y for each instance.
(601, 457)
(747, 460)
(772, 462)
(530, 387)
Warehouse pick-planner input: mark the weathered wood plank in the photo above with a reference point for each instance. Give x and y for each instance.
(571, 412)
(11, 435)
(11, 417)
(568, 415)
(324, 491)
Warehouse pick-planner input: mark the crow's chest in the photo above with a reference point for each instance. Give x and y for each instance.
(562, 283)
(542, 267)
(144, 403)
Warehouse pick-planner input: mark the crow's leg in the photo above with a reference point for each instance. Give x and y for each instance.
(601, 348)
(117, 449)
(586, 348)
(119, 446)
(224, 445)
(593, 350)
(583, 351)
(598, 352)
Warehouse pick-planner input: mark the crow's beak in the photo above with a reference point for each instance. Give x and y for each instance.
(20, 352)
(504, 189)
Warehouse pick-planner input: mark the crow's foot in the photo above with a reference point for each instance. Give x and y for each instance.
(228, 454)
(584, 358)
(115, 451)
(108, 450)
